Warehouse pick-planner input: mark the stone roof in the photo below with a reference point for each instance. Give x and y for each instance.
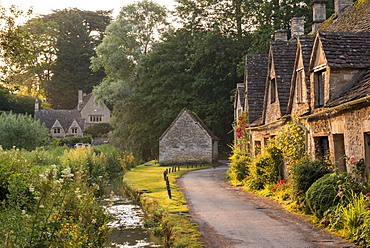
(354, 18)
(345, 49)
(255, 81)
(283, 56)
(196, 120)
(65, 117)
(360, 89)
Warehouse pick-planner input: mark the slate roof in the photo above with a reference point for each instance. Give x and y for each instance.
(283, 55)
(354, 18)
(195, 118)
(65, 117)
(85, 100)
(345, 49)
(359, 90)
(255, 81)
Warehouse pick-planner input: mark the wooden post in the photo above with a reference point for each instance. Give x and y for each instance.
(168, 188)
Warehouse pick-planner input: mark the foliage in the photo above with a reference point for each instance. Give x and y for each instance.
(98, 130)
(329, 190)
(282, 190)
(291, 142)
(239, 164)
(264, 170)
(351, 220)
(303, 175)
(74, 47)
(44, 205)
(21, 131)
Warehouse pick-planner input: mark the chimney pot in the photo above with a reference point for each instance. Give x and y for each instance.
(297, 26)
(281, 35)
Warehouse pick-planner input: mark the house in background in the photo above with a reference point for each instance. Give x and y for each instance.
(64, 123)
(188, 140)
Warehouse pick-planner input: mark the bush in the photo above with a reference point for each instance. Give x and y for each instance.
(22, 131)
(239, 167)
(264, 170)
(329, 190)
(303, 175)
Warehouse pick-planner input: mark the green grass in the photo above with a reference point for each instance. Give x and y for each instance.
(149, 178)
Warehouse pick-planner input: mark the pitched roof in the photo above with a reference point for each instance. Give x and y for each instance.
(354, 18)
(85, 100)
(345, 49)
(255, 81)
(196, 120)
(65, 117)
(304, 48)
(360, 89)
(283, 56)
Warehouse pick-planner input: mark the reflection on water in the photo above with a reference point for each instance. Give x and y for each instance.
(126, 229)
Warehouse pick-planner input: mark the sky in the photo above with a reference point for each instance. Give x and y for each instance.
(45, 6)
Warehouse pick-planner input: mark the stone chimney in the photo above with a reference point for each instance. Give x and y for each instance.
(339, 5)
(281, 35)
(80, 99)
(37, 105)
(297, 26)
(319, 13)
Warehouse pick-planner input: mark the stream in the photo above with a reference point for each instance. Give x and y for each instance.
(126, 229)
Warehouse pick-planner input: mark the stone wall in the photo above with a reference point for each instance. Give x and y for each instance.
(186, 141)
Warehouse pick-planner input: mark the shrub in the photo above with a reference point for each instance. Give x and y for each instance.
(238, 166)
(264, 170)
(282, 190)
(22, 131)
(327, 191)
(303, 175)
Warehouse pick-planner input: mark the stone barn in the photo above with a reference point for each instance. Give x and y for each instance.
(187, 140)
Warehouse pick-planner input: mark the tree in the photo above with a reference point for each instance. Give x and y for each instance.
(21, 131)
(74, 48)
(131, 36)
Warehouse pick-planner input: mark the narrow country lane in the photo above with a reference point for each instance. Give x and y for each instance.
(230, 217)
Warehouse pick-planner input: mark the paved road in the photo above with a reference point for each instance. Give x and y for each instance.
(230, 217)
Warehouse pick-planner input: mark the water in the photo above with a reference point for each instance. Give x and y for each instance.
(126, 229)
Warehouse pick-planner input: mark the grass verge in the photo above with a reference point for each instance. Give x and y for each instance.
(167, 217)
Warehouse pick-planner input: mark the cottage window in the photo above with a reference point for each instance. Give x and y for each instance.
(321, 147)
(272, 90)
(300, 81)
(319, 80)
(96, 118)
(56, 130)
(74, 130)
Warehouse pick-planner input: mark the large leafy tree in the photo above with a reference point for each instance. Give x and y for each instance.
(130, 37)
(74, 48)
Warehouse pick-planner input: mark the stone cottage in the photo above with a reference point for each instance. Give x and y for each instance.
(64, 123)
(329, 89)
(188, 140)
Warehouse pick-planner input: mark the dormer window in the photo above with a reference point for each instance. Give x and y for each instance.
(272, 90)
(74, 130)
(319, 82)
(56, 130)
